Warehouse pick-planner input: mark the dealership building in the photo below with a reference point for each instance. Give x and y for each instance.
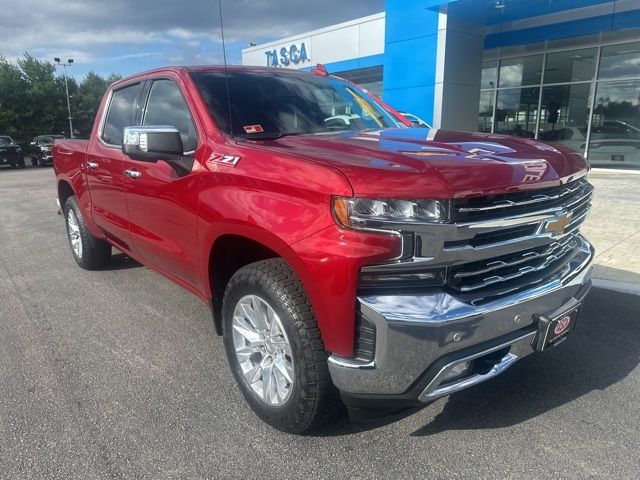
(565, 71)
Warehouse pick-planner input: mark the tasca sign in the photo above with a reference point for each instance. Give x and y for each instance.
(288, 56)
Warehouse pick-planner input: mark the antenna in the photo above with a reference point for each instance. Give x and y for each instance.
(226, 73)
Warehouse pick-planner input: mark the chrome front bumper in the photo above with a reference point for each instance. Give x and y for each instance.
(416, 333)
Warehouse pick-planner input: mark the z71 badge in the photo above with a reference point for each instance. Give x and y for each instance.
(222, 158)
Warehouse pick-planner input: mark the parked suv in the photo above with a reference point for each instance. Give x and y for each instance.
(363, 262)
(40, 150)
(10, 153)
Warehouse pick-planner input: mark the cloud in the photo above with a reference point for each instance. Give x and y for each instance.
(161, 31)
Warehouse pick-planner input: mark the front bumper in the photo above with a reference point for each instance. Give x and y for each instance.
(419, 335)
(10, 158)
(46, 158)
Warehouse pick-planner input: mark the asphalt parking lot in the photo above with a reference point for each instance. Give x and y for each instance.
(118, 374)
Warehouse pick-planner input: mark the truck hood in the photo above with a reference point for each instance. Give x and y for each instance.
(432, 163)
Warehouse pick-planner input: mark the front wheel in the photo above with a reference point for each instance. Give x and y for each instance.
(274, 347)
(88, 251)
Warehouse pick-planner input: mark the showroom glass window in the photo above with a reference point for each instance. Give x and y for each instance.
(516, 111)
(615, 127)
(487, 96)
(587, 99)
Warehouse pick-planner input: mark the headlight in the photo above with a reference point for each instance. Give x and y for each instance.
(384, 214)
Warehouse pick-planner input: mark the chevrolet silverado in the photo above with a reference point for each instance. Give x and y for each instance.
(347, 258)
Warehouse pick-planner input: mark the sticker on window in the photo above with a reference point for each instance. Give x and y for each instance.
(253, 128)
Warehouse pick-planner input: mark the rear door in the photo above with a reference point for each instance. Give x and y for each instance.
(162, 201)
(105, 164)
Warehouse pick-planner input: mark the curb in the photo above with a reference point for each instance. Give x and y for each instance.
(596, 170)
(623, 287)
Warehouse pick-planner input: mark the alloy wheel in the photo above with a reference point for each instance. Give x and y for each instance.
(74, 233)
(263, 350)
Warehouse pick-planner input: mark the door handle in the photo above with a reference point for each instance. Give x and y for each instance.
(91, 165)
(132, 173)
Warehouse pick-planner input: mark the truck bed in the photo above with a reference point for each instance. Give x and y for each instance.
(69, 154)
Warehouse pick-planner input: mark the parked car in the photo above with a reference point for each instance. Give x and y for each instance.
(40, 150)
(370, 266)
(415, 120)
(10, 152)
(611, 144)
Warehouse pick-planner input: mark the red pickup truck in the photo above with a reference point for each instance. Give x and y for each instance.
(346, 257)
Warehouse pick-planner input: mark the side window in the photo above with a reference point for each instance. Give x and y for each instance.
(121, 113)
(166, 106)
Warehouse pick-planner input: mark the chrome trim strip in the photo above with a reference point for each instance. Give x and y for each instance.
(350, 363)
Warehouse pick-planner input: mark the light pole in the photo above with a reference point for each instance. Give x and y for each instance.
(66, 87)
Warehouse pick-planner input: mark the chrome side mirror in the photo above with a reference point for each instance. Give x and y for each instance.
(152, 143)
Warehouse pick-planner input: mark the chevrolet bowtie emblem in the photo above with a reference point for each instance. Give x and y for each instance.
(557, 225)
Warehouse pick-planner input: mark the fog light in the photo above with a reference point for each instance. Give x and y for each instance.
(458, 370)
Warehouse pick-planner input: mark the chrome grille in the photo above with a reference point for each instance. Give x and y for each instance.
(482, 208)
(511, 272)
(500, 244)
(498, 275)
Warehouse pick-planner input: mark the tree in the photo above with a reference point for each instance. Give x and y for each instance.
(12, 88)
(33, 100)
(39, 101)
(87, 101)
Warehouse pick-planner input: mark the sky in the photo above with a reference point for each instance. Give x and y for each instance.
(129, 36)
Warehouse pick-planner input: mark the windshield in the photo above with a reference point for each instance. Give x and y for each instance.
(48, 140)
(6, 141)
(273, 104)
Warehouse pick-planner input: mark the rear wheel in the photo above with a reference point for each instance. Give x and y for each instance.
(88, 251)
(274, 347)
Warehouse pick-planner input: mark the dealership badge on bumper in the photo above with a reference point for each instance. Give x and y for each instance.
(553, 331)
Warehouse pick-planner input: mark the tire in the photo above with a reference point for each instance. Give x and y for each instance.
(21, 163)
(310, 398)
(88, 251)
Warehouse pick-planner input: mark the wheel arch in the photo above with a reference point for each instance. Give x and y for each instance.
(65, 190)
(235, 249)
(229, 253)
